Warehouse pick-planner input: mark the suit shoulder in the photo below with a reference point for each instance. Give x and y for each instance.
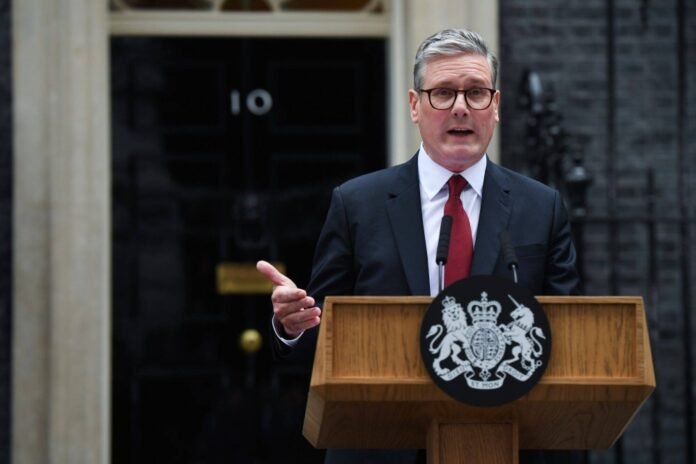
(373, 182)
(519, 183)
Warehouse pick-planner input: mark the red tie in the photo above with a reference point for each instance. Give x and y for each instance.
(461, 248)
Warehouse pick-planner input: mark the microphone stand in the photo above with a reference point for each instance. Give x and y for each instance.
(440, 275)
(442, 250)
(508, 253)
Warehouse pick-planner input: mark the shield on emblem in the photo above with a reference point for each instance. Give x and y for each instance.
(487, 347)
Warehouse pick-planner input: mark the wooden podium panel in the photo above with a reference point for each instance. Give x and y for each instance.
(370, 389)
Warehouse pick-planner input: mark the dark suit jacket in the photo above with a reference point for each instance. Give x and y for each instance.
(373, 243)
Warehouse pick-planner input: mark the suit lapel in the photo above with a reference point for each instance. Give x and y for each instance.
(404, 211)
(495, 213)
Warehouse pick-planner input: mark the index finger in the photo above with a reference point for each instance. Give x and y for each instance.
(274, 275)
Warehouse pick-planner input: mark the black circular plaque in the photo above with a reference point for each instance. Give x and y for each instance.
(485, 341)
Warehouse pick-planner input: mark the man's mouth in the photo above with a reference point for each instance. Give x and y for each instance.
(460, 132)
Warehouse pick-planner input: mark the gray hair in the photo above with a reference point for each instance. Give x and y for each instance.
(452, 42)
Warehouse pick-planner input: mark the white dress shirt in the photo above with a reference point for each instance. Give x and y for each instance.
(433, 193)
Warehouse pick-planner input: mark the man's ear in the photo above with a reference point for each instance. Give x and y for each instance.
(413, 101)
(496, 107)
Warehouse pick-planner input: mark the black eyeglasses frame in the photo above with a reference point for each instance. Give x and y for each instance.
(456, 94)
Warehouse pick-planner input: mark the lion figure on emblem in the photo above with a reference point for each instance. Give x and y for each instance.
(455, 322)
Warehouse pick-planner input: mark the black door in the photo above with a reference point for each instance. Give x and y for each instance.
(224, 150)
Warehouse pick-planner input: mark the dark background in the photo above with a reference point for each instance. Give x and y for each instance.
(198, 182)
(623, 75)
(5, 229)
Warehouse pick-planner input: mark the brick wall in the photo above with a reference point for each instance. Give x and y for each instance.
(5, 229)
(628, 108)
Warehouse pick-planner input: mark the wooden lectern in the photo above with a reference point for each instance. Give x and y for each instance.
(370, 389)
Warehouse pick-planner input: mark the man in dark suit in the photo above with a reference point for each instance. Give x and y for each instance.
(381, 231)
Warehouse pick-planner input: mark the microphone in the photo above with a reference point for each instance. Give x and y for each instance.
(508, 253)
(443, 248)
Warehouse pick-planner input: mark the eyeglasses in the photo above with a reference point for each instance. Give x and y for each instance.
(478, 98)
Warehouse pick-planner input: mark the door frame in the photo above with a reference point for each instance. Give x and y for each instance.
(61, 268)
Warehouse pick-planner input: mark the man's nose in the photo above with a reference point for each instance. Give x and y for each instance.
(460, 107)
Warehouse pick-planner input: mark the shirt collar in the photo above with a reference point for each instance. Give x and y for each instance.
(433, 177)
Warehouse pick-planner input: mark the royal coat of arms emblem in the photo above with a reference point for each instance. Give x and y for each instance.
(486, 342)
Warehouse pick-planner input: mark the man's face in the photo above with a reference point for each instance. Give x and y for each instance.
(455, 138)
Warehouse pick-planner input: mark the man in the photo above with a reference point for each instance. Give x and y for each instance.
(381, 231)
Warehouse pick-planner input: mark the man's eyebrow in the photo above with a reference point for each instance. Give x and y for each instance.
(469, 82)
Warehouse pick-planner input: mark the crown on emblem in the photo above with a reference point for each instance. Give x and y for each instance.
(449, 304)
(483, 310)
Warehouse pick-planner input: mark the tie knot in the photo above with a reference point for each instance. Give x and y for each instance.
(456, 184)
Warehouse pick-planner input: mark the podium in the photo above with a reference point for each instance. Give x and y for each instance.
(370, 388)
